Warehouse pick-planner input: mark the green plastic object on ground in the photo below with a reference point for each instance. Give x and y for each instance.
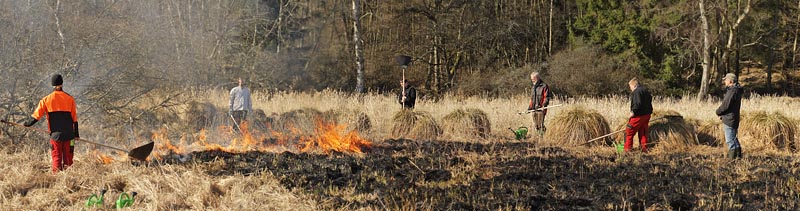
(520, 133)
(95, 200)
(620, 147)
(125, 200)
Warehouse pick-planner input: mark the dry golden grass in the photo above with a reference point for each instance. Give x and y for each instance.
(28, 184)
(355, 120)
(466, 124)
(574, 126)
(502, 113)
(418, 125)
(709, 132)
(762, 130)
(299, 122)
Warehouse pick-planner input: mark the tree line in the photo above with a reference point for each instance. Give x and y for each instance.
(116, 53)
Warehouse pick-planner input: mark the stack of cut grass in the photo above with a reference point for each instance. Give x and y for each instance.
(577, 125)
(200, 115)
(760, 130)
(709, 132)
(668, 130)
(260, 121)
(298, 122)
(416, 125)
(355, 120)
(467, 123)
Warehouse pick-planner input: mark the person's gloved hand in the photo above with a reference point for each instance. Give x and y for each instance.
(29, 121)
(75, 129)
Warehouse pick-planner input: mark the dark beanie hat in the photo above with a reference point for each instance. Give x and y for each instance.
(57, 80)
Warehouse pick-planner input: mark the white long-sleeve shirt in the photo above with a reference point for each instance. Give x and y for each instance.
(240, 99)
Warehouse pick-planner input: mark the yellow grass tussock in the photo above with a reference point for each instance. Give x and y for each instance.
(200, 115)
(355, 120)
(577, 125)
(761, 130)
(467, 123)
(709, 132)
(417, 125)
(299, 122)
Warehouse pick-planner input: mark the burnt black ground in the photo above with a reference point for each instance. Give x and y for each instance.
(517, 175)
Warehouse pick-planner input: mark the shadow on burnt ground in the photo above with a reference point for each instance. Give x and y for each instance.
(513, 175)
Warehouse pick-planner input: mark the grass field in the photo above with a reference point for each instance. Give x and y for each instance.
(495, 173)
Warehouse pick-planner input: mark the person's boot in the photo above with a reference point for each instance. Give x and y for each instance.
(731, 154)
(737, 153)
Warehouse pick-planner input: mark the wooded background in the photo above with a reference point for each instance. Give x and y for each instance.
(114, 53)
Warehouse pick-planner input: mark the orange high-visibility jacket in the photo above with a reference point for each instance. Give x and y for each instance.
(62, 116)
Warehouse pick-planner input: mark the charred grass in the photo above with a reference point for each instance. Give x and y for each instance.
(444, 175)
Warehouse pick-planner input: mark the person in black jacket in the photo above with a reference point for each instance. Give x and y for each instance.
(728, 112)
(641, 108)
(540, 98)
(408, 97)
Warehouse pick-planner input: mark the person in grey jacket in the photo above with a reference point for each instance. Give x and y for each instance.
(240, 104)
(540, 98)
(728, 112)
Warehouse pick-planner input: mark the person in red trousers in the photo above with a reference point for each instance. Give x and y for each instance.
(641, 108)
(62, 121)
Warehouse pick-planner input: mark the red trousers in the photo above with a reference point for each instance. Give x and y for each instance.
(637, 124)
(62, 153)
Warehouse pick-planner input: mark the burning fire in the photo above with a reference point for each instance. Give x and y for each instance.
(101, 157)
(327, 138)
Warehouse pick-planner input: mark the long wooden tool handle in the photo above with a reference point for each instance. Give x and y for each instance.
(47, 132)
(606, 135)
(539, 109)
(615, 132)
(95, 143)
(19, 125)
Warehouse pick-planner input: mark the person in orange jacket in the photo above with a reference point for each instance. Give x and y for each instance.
(62, 120)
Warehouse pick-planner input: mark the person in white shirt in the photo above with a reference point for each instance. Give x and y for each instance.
(240, 104)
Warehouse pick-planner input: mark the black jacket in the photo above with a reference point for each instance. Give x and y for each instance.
(540, 96)
(411, 97)
(728, 112)
(641, 101)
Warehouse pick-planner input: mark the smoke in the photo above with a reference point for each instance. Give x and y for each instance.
(116, 53)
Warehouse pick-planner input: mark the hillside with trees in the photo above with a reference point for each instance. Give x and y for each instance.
(115, 52)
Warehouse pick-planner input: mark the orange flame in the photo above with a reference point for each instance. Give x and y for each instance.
(329, 139)
(102, 158)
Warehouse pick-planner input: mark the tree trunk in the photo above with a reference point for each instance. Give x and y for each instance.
(550, 39)
(359, 51)
(58, 27)
(706, 56)
(794, 56)
(770, 64)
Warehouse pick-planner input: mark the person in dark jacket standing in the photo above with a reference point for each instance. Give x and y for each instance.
(408, 97)
(540, 98)
(62, 121)
(728, 112)
(641, 109)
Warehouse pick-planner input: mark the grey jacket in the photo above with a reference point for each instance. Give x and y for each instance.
(540, 96)
(240, 99)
